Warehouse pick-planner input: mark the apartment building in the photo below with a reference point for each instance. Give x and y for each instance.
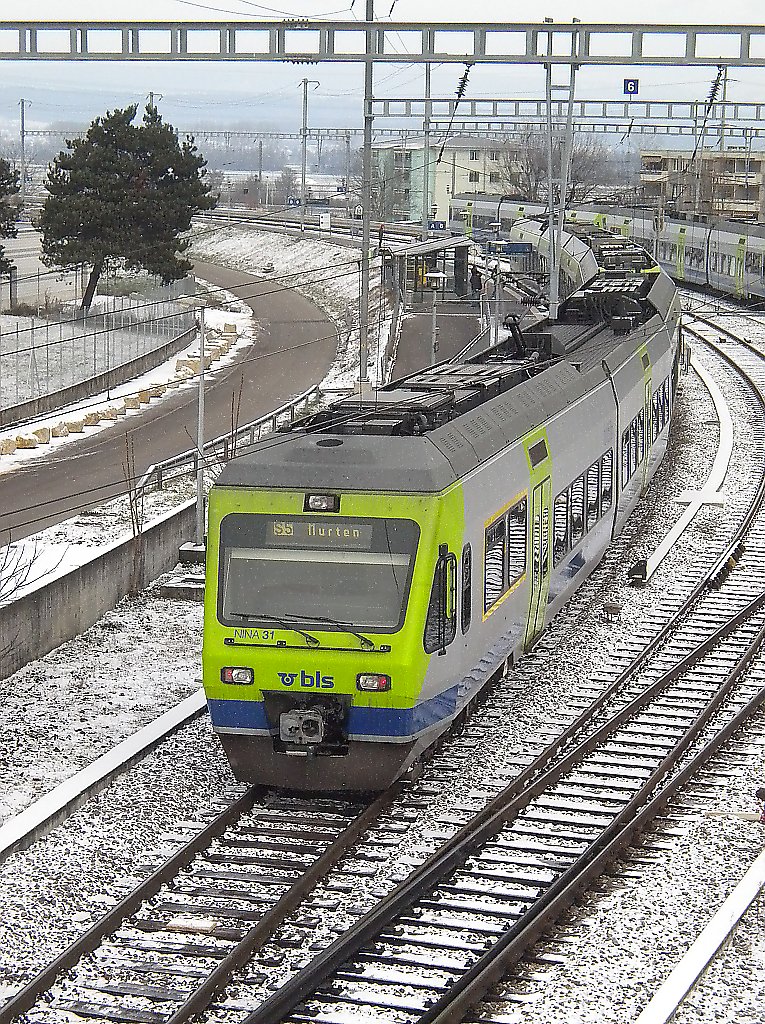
(465, 164)
(726, 184)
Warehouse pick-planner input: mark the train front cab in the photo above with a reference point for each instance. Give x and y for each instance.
(319, 629)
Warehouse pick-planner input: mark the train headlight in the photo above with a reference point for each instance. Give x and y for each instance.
(238, 676)
(322, 503)
(368, 682)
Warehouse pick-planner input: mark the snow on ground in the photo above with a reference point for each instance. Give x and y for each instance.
(238, 314)
(324, 271)
(63, 710)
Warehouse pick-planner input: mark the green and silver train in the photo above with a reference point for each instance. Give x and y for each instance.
(371, 568)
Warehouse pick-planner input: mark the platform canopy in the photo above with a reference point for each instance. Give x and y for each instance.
(428, 248)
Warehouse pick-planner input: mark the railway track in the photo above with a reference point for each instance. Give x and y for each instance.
(278, 876)
(343, 226)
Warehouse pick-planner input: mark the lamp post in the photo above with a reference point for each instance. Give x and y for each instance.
(435, 279)
(200, 524)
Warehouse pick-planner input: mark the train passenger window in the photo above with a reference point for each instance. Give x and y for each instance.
(441, 620)
(494, 564)
(467, 584)
(516, 542)
(634, 446)
(606, 481)
(656, 418)
(577, 510)
(626, 474)
(561, 527)
(593, 495)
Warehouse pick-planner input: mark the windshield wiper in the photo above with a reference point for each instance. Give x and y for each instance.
(281, 621)
(366, 643)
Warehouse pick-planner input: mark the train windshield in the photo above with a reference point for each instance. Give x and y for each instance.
(307, 569)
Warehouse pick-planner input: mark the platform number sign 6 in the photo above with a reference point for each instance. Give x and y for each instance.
(631, 86)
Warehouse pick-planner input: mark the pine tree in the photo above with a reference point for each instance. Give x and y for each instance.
(9, 186)
(124, 193)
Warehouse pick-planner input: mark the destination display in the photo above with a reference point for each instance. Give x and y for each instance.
(315, 533)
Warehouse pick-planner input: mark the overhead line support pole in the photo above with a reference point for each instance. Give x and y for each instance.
(426, 156)
(366, 198)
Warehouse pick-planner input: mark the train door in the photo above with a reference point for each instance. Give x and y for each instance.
(680, 255)
(540, 560)
(647, 438)
(740, 268)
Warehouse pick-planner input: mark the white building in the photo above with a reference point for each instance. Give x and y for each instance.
(465, 164)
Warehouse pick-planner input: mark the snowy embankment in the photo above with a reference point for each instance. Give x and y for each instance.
(327, 273)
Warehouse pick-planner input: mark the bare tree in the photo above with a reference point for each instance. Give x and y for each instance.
(524, 167)
(22, 565)
(135, 505)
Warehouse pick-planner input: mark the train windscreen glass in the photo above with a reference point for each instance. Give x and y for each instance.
(306, 569)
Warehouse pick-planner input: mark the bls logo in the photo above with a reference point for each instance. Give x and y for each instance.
(307, 680)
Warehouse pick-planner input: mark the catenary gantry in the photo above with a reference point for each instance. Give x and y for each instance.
(306, 40)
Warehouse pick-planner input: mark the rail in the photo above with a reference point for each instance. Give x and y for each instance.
(688, 972)
(224, 447)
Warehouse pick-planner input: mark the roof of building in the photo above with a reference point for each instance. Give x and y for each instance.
(459, 142)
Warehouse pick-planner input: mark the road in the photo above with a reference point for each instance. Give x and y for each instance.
(294, 351)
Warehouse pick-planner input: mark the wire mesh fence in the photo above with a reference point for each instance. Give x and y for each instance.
(42, 355)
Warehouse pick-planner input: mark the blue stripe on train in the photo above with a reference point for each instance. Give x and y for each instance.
(251, 714)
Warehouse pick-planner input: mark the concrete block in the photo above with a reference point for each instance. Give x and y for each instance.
(60, 430)
(110, 413)
(42, 434)
(131, 402)
(172, 384)
(144, 396)
(75, 426)
(25, 441)
(92, 419)
(191, 553)
(229, 329)
(157, 391)
(7, 445)
(214, 351)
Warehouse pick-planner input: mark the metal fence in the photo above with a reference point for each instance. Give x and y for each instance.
(218, 451)
(39, 356)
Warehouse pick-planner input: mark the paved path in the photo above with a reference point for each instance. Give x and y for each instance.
(458, 323)
(293, 352)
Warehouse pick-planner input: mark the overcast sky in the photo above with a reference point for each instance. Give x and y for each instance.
(264, 95)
